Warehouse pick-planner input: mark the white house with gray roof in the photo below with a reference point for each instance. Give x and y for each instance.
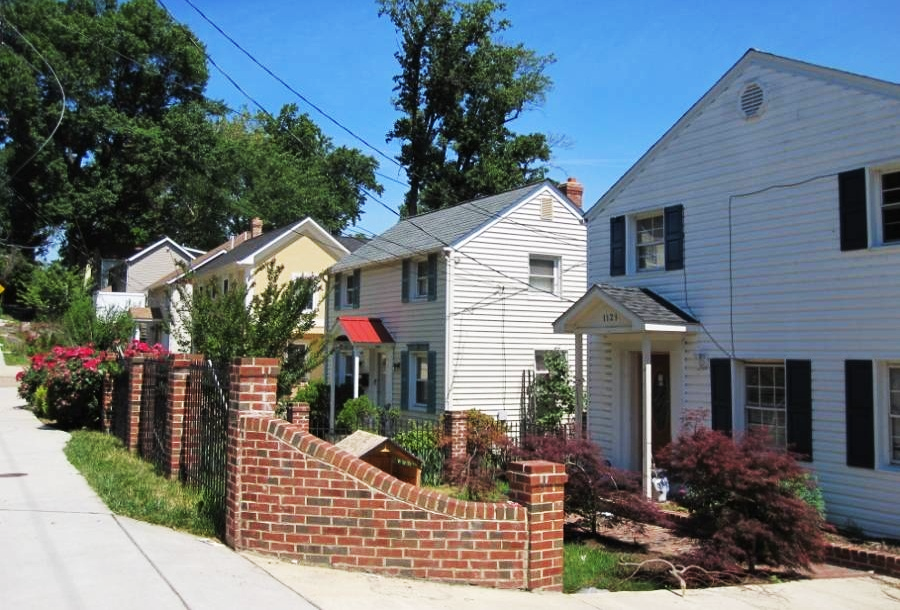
(746, 269)
(444, 311)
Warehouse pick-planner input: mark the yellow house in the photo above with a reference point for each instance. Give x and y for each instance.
(303, 248)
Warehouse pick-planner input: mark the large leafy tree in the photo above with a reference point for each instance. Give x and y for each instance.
(283, 168)
(131, 83)
(458, 90)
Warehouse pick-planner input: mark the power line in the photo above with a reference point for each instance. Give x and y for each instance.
(289, 87)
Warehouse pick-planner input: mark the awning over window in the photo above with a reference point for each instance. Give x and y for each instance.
(364, 330)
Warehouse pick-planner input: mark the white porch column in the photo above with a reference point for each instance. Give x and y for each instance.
(332, 375)
(355, 373)
(647, 434)
(579, 385)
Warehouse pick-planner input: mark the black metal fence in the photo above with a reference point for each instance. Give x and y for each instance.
(154, 399)
(205, 437)
(387, 424)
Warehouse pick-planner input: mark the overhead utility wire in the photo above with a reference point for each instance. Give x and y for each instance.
(289, 87)
(62, 102)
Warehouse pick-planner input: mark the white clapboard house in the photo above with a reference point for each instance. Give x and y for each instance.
(747, 268)
(445, 310)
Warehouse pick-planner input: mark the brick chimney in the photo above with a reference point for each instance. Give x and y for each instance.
(574, 190)
(256, 227)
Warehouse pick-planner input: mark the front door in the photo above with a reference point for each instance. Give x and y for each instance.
(661, 416)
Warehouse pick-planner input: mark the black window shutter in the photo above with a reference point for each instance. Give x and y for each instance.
(337, 290)
(432, 277)
(720, 391)
(852, 198)
(432, 381)
(617, 245)
(404, 281)
(674, 227)
(357, 276)
(404, 380)
(860, 412)
(798, 375)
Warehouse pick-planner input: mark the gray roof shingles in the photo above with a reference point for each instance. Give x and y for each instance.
(434, 230)
(646, 304)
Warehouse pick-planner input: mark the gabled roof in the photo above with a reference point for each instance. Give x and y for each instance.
(752, 56)
(253, 250)
(639, 309)
(188, 253)
(445, 227)
(202, 260)
(352, 243)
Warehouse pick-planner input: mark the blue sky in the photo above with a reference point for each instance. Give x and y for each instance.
(624, 71)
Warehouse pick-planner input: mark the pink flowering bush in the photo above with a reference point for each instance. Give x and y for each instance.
(72, 382)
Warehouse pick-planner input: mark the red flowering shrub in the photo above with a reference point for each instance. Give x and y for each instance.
(745, 509)
(140, 348)
(595, 490)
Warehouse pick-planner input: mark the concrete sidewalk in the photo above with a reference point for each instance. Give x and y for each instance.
(60, 547)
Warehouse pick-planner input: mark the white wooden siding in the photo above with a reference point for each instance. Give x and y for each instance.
(795, 294)
(497, 320)
(150, 268)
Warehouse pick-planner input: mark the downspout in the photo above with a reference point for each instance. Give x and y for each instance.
(448, 327)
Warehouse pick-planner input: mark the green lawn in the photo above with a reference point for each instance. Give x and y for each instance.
(130, 487)
(594, 566)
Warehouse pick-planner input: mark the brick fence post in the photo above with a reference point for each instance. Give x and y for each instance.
(456, 427)
(133, 415)
(178, 381)
(107, 397)
(538, 486)
(253, 386)
(298, 414)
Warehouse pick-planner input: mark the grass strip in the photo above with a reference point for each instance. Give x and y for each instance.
(594, 566)
(129, 486)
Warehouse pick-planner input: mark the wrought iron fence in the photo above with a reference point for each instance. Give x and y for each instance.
(205, 437)
(121, 400)
(154, 403)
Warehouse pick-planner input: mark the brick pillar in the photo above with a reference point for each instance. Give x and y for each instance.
(539, 487)
(136, 385)
(253, 385)
(178, 381)
(456, 427)
(298, 414)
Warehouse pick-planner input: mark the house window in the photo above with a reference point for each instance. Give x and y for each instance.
(894, 376)
(540, 363)
(312, 301)
(224, 286)
(420, 378)
(542, 273)
(350, 291)
(890, 206)
(421, 280)
(650, 241)
(765, 401)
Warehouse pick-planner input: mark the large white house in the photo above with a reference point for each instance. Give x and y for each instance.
(747, 268)
(444, 311)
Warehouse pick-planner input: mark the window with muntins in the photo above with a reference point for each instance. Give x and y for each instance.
(765, 406)
(542, 273)
(650, 240)
(894, 377)
(351, 292)
(420, 365)
(890, 206)
(421, 283)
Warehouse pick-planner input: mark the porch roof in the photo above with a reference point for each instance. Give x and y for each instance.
(364, 330)
(606, 309)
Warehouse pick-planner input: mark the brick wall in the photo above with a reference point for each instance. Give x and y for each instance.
(295, 496)
(864, 559)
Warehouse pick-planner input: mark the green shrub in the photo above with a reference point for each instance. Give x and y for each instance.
(425, 444)
(806, 487)
(359, 414)
(39, 401)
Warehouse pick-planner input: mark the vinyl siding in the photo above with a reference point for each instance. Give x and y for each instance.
(497, 320)
(151, 267)
(795, 294)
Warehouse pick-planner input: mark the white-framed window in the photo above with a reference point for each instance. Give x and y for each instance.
(888, 195)
(419, 362)
(420, 281)
(650, 241)
(351, 290)
(312, 302)
(894, 412)
(764, 400)
(543, 273)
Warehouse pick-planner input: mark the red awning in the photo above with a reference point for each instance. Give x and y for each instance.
(365, 330)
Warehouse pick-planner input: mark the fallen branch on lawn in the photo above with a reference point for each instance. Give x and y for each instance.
(679, 572)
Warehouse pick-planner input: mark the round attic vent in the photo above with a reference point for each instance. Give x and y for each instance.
(752, 100)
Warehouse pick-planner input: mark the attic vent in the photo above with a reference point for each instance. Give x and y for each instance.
(752, 101)
(546, 209)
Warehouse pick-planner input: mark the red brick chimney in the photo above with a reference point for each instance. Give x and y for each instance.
(256, 227)
(573, 189)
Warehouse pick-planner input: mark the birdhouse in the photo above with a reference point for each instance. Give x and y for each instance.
(383, 453)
